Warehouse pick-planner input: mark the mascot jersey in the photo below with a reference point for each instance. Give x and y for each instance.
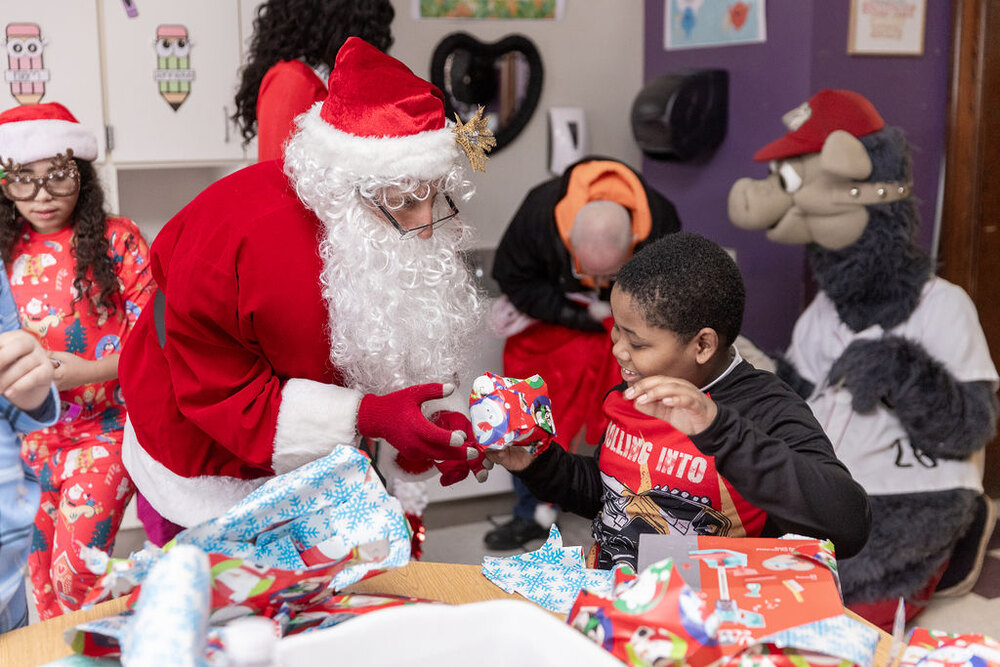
(875, 446)
(41, 278)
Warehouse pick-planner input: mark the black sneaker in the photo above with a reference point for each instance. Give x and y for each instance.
(514, 534)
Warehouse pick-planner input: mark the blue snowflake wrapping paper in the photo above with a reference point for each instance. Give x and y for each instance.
(170, 624)
(331, 504)
(314, 514)
(551, 577)
(839, 636)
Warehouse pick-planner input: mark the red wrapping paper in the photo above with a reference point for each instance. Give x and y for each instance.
(508, 411)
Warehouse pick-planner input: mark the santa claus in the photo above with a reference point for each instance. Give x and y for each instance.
(310, 304)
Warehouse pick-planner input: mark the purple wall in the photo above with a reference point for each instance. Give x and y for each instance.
(806, 50)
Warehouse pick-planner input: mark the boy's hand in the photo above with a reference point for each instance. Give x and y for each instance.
(514, 459)
(673, 400)
(25, 370)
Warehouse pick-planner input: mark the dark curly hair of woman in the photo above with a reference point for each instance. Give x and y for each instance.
(311, 30)
(95, 281)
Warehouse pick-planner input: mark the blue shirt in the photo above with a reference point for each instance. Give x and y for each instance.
(19, 491)
(19, 488)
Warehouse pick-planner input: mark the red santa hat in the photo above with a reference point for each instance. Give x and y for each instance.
(36, 131)
(811, 123)
(379, 119)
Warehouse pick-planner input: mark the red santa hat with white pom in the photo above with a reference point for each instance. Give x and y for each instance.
(381, 120)
(37, 131)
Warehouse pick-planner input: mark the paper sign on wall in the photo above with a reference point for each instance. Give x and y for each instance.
(25, 72)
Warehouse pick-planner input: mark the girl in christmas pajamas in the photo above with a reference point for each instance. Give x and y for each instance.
(80, 279)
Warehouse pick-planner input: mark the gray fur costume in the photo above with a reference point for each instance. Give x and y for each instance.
(878, 280)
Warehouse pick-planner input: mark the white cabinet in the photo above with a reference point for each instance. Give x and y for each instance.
(52, 54)
(171, 73)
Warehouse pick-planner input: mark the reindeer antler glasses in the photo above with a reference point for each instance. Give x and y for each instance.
(62, 180)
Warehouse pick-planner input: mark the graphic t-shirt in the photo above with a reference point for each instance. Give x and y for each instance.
(657, 481)
(41, 276)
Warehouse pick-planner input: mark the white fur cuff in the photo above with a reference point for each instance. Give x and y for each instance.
(186, 501)
(313, 418)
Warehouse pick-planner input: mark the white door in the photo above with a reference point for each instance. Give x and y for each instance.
(52, 55)
(171, 76)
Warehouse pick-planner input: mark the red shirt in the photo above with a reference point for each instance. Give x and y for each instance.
(288, 89)
(667, 484)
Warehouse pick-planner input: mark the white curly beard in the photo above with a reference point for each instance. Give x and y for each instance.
(402, 312)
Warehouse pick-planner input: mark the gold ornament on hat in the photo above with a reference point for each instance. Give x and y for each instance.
(475, 138)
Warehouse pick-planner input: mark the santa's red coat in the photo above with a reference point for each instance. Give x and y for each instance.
(244, 386)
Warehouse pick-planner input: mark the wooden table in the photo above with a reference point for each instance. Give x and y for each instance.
(454, 584)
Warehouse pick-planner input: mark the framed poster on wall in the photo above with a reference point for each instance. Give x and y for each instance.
(691, 24)
(886, 27)
(487, 9)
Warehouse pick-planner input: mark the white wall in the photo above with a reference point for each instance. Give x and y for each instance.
(592, 59)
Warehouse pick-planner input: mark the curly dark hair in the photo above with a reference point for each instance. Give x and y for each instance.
(684, 282)
(95, 280)
(313, 30)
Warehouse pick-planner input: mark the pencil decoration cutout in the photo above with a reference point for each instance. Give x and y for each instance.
(25, 72)
(173, 67)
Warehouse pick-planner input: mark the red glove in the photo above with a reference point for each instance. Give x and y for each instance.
(452, 472)
(397, 419)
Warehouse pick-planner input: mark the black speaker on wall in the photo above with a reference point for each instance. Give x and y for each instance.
(680, 116)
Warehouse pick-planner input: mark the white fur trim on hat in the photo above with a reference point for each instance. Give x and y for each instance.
(29, 140)
(313, 418)
(424, 156)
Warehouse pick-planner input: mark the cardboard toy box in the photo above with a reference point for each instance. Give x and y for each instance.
(757, 596)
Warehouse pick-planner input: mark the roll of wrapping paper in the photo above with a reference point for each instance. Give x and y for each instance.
(171, 617)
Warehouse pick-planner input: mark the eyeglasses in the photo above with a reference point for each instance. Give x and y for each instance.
(62, 181)
(443, 209)
(23, 187)
(599, 281)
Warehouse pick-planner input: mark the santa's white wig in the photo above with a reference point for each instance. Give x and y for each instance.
(402, 311)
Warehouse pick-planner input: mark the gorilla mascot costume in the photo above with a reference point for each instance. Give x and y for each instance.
(891, 358)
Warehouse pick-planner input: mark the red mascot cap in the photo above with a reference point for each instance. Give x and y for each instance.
(811, 123)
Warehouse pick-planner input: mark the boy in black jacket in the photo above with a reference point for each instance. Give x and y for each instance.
(699, 442)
